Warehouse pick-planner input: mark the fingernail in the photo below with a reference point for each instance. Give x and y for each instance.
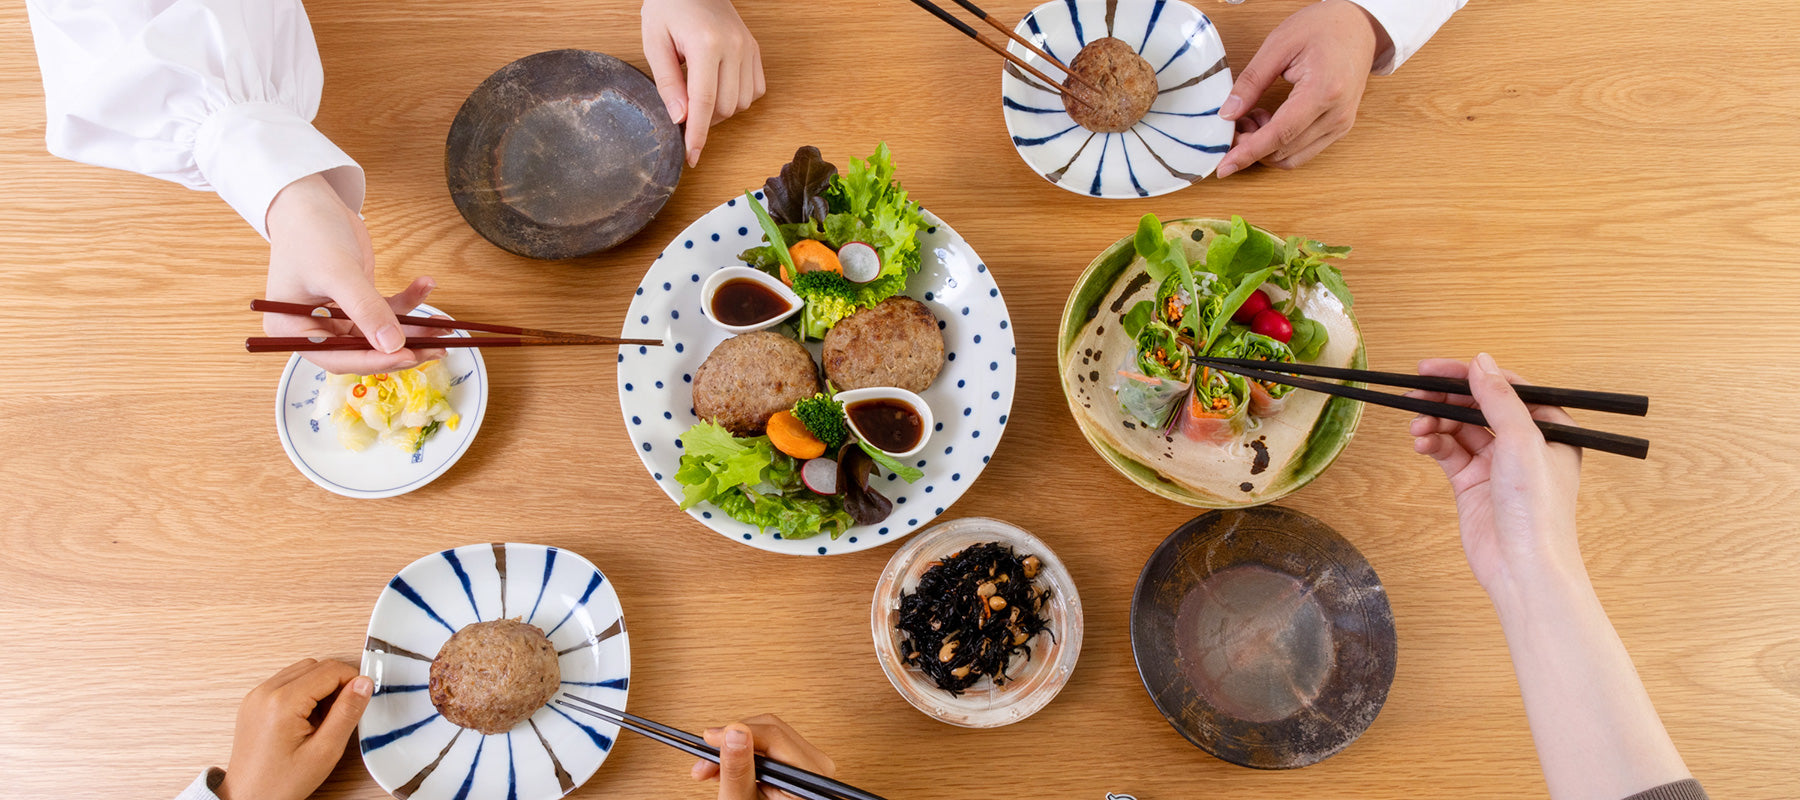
(694, 157)
(737, 739)
(1233, 105)
(676, 108)
(713, 731)
(362, 685)
(430, 283)
(694, 772)
(1485, 363)
(389, 338)
(1418, 443)
(1225, 168)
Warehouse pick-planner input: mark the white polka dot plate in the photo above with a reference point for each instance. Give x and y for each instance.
(971, 397)
(413, 752)
(1178, 142)
(381, 470)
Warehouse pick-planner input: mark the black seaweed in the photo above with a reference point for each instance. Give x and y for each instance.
(798, 192)
(953, 628)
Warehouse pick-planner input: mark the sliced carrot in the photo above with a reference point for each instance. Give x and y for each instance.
(789, 435)
(812, 255)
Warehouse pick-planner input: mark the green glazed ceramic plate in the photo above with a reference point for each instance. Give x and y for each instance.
(1332, 430)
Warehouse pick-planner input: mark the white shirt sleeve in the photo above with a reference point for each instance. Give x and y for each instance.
(204, 787)
(216, 95)
(1409, 24)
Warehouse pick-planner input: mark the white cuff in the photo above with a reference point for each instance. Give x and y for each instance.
(204, 787)
(250, 151)
(1409, 25)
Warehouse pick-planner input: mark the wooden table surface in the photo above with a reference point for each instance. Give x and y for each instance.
(1601, 194)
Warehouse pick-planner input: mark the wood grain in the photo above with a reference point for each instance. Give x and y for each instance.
(1599, 193)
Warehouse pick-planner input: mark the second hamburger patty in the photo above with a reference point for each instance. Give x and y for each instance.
(895, 343)
(746, 379)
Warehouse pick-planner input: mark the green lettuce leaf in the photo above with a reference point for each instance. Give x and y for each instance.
(887, 462)
(713, 462)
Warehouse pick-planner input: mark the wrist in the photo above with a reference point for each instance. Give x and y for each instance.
(1551, 584)
(299, 200)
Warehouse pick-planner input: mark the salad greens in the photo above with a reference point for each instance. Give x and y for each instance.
(864, 204)
(753, 483)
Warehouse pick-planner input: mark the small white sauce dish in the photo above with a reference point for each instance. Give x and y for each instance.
(926, 423)
(727, 274)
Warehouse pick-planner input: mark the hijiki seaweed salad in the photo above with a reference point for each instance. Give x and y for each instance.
(1199, 288)
(774, 448)
(971, 614)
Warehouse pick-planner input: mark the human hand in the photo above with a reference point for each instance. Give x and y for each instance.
(724, 63)
(1326, 51)
(276, 752)
(1515, 493)
(765, 734)
(319, 252)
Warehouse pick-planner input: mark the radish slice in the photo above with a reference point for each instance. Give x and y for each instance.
(820, 475)
(860, 262)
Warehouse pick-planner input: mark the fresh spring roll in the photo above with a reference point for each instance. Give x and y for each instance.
(1153, 382)
(1266, 399)
(1217, 409)
(1172, 300)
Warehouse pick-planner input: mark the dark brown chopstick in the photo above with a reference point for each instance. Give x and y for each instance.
(286, 344)
(304, 310)
(1029, 45)
(1004, 53)
(1553, 432)
(1609, 402)
(780, 775)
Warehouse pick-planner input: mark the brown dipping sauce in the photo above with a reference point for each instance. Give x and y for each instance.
(743, 301)
(890, 425)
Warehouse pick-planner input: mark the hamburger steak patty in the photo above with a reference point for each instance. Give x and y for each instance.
(895, 343)
(746, 379)
(493, 675)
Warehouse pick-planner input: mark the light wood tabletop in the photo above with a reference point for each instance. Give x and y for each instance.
(1602, 194)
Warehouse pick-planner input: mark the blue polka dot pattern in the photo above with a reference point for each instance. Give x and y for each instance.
(978, 376)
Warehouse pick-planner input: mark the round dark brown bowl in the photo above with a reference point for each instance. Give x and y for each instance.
(1263, 636)
(562, 154)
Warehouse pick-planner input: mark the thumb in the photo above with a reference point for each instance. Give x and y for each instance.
(1506, 413)
(1269, 62)
(737, 764)
(659, 50)
(341, 720)
(368, 310)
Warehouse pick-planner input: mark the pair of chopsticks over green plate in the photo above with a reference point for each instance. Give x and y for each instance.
(520, 337)
(1609, 402)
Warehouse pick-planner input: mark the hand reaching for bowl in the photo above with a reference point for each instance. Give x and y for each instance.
(1515, 493)
(319, 251)
(277, 753)
(1326, 51)
(738, 744)
(723, 63)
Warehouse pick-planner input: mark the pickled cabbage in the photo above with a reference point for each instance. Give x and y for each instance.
(401, 409)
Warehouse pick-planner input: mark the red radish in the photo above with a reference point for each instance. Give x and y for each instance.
(1253, 305)
(1272, 324)
(860, 262)
(820, 475)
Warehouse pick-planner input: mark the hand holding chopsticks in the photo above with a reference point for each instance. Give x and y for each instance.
(523, 337)
(1269, 372)
(802, 783)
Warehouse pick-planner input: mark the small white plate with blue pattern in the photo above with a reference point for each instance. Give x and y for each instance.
(379, 471)
(1177, 143)
(413, 752)
(971, 397)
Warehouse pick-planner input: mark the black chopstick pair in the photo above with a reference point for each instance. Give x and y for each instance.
(786, 777)
(1610, 402)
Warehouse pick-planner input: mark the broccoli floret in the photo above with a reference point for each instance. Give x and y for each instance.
(829, 297)
(824, 417)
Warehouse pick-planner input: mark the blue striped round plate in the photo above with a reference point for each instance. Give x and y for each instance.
(414, 752)
(1177, 143)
